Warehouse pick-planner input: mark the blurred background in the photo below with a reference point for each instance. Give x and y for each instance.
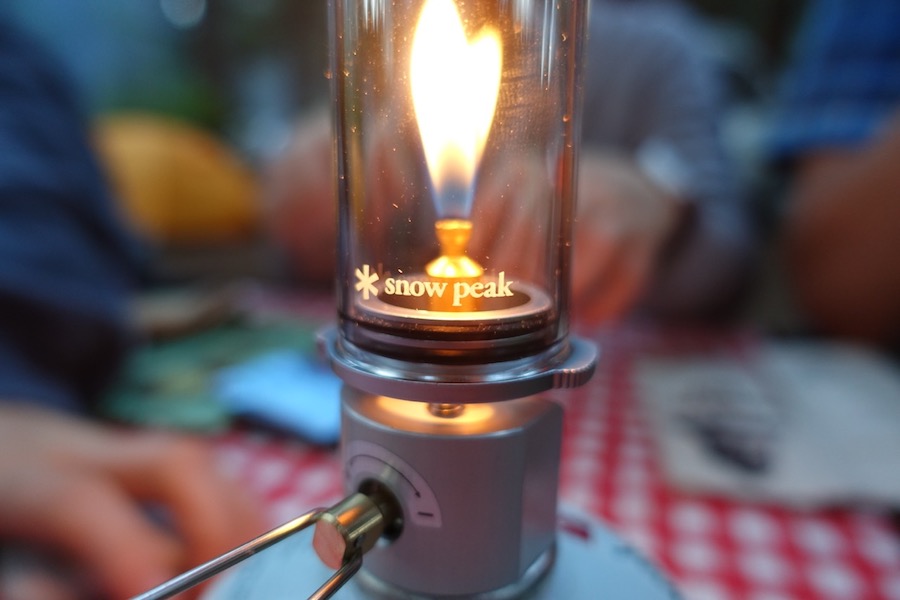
(191, 104)
(189, 99)
(226, 66)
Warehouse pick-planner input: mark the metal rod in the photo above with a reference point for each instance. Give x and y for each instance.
(340, 577)
(189, 579)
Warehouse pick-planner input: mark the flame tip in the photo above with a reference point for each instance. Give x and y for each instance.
(455, 84)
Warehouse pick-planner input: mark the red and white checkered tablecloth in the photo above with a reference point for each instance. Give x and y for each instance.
(712, 548)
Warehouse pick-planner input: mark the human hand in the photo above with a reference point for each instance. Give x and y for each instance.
(510, 218)
(622, 222)
(841, 236)
(300, 205)
(83, 490)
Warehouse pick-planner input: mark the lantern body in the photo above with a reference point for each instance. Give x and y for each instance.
(456, 139)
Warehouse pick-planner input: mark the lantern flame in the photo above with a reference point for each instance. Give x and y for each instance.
(455, 84)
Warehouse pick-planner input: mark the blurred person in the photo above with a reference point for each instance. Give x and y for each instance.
(662, 224)
(661, 228)
(837, 137)
(118, 510)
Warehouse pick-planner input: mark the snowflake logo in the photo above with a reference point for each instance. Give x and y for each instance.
(365, 282)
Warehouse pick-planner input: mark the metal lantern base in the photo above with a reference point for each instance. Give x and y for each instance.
(477, 491)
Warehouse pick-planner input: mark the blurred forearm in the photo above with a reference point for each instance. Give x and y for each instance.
(842, 236)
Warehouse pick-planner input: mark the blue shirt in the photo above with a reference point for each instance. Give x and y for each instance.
(844, 81)
(66, 262)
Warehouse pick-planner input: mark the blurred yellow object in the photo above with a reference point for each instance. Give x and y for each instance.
(176, 183)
